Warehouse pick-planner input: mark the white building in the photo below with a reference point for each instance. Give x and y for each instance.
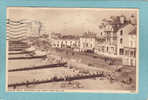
(122, 38)
(65, 42)
(87, 42)
(105, 50)
(126, 44)
(108, 46)
(129, 57)
(101, 34)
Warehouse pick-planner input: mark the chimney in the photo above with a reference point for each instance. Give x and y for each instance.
(133, 19)
(122, 19)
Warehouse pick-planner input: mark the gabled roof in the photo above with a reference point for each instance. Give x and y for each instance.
(130, 29)
(134, 32)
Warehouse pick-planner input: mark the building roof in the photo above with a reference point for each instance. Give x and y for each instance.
(88, 35)
(134, 32)
(130, 29)
(67, 37)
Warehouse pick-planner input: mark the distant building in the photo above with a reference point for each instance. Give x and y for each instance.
(35, 28)
(101, 34)
(65, 42)
(82, 43)
(87, 42)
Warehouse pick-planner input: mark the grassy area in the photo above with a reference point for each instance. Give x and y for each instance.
(125, 74)
(89, 59)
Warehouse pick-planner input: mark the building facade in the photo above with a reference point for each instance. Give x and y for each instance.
(107, 47)
(130, 51)
(65, 42)
(126, 44)
(87, 43)
(119, 44)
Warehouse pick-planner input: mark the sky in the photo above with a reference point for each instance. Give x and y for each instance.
(67, 20)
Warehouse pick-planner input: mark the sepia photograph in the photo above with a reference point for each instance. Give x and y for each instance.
(72, 49)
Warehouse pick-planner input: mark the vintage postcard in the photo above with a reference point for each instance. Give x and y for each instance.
(72, 49)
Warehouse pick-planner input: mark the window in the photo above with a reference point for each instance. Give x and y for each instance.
(86, 44)
(121, 32)
(121, 41)
(102, 48)
(107, 49)
(121, 51)
(131, 53)
(126, 52)
(101, 33)
(114, 38)
(134, 53)
(112, 48)
(131, 44)
(91, 45)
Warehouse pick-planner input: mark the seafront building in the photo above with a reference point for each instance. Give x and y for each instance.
(65, 42)
(109, 41)
(88, 42)
(108, 46)
(129, 46)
